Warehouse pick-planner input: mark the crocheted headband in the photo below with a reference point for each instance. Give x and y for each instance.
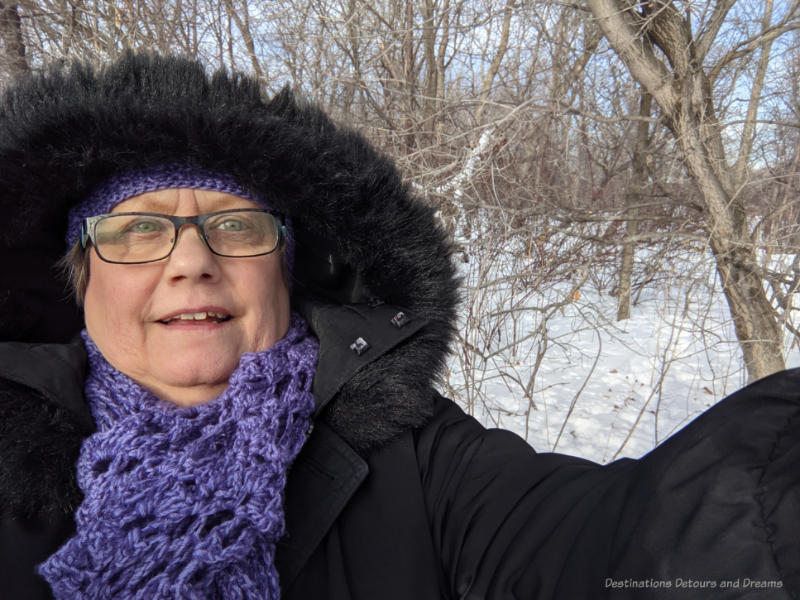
(132, 183)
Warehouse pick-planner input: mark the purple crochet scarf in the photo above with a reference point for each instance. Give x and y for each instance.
(187, 502)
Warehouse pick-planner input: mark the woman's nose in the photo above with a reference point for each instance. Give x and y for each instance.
(191, 257)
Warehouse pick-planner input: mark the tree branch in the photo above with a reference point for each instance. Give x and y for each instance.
(486, 87)
(712, 28)
(619, 27)
(749, 130)
(750, 45)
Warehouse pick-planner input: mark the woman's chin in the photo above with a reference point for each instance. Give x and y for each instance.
(187, 381)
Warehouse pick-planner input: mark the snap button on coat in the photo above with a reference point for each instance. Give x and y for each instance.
(359, 346)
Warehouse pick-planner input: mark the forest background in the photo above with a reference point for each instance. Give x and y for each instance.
(620, 177)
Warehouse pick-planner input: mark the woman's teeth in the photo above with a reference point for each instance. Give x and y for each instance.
(197, 316)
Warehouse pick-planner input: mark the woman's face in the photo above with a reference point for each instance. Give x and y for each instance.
(129, 309)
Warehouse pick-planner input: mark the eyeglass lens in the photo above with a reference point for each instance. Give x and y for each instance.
(143, 238)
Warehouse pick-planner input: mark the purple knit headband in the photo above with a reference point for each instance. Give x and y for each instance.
(125, 185)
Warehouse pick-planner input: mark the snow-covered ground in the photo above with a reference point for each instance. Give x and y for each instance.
(602, 389)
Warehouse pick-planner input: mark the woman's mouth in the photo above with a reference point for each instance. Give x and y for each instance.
(196, 317)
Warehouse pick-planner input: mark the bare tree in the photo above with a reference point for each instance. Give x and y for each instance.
(564, 174)
(638, 183)
(681, 78)
(14, 52)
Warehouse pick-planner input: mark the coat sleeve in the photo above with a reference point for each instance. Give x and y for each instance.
(713, 512)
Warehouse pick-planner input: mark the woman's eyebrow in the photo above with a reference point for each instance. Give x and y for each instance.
(212, 202)
(143, 204)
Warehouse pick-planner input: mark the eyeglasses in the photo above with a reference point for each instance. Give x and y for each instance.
(134, 237)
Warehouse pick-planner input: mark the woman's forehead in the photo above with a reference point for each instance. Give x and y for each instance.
(183, 201)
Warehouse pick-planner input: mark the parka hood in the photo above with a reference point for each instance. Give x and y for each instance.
(360, 235)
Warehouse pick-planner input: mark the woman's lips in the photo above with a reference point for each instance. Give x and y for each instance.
(196, 317)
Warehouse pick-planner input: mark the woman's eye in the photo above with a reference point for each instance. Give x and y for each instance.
(144, 227)
(231, 225)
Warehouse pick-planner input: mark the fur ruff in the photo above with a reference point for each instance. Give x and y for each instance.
(65, 131)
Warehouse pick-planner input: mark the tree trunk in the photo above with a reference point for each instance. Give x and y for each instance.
(683, 91)
(753, 316)
(247, 35)
(637, 185)
(626, 272)
(11, 34)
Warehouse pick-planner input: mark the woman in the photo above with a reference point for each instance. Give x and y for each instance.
(221, 372)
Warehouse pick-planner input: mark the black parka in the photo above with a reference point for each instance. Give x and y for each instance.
(396, 493)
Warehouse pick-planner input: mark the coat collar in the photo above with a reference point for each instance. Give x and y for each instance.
(326, 468)
(351, 337)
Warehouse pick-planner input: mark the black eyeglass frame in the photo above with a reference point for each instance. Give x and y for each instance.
(89, 225)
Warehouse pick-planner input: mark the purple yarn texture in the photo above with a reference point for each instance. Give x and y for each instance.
(187, 502)
(132, 183)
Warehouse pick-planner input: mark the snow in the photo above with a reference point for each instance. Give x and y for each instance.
(602, 389)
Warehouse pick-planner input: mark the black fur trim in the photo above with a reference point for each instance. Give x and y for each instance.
(66, 130)
(39, 443)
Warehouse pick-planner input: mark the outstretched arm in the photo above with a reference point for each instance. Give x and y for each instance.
(712, 512)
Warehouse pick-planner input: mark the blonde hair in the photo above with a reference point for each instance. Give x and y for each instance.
(74, 265)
